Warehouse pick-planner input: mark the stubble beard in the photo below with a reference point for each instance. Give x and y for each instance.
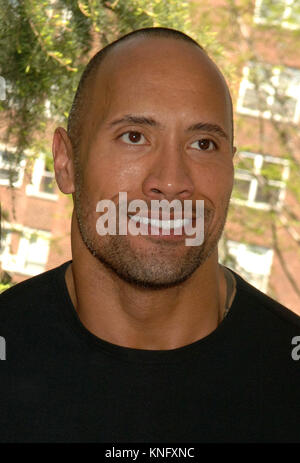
(154, 268)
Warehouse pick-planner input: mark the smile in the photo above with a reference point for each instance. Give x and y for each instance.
(164, 224)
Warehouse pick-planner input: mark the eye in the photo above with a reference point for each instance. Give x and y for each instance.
(205, 144)
(133, 138)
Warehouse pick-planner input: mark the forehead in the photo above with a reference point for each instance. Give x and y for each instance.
(160, 74)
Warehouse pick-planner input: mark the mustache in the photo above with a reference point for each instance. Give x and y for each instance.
(187, 208)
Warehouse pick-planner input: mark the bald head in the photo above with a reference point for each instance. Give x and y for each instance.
(118, 51)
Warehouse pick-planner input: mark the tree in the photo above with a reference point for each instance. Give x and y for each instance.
(47, 43)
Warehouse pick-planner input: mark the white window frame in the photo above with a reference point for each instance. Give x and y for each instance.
(38, 172)
(16, 263)
(293, 91)
(251, 176)
(283, 21)
(253, 262)
(7, 166)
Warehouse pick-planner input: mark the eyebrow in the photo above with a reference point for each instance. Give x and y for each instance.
(135, 120)
(142, 120)
(208, 127)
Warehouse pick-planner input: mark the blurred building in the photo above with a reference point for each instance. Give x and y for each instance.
(262, 239)
(35, 217)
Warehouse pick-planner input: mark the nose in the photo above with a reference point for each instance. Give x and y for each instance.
(168, 177)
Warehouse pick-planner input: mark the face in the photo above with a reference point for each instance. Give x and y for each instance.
(145, 134)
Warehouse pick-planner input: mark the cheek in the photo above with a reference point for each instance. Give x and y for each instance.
(107, 177)
(216, 183)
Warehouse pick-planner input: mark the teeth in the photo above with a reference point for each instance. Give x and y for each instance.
(164, 224)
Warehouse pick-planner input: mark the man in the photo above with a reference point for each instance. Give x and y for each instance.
(142, 338)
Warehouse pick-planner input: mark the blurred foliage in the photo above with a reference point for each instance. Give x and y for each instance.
(4, 287)
(47, 43)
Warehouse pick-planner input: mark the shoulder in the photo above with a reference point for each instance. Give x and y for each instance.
(30, 294)
(261, 306)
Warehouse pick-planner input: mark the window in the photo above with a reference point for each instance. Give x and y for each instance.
(284, 13)
(260, 181)
(24, 250)
(270, 92)
(252, 262)
(42, 181)
(47, 184)
(11, 169)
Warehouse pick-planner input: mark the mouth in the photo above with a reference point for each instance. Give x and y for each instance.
(173, 229)
(159, 223)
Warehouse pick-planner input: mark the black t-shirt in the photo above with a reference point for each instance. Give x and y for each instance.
(60, 383)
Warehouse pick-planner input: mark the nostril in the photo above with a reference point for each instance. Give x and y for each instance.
(155, 190)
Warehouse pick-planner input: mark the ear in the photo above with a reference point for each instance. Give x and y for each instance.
(234, 150)
(63, 161)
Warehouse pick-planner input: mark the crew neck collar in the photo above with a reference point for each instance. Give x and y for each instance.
(183, 353)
